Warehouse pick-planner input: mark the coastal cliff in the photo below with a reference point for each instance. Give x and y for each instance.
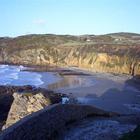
(116, 53)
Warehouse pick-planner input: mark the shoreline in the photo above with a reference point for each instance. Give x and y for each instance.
(106, 91)
(66, 70)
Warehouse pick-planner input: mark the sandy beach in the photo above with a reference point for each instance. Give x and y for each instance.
(106, 91)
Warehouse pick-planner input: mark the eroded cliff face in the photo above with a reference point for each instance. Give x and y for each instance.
(98, 55)
(97, 62)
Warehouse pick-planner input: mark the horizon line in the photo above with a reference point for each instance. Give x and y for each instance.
(63, 34)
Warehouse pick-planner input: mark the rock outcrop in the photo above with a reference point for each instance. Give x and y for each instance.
(21, 105)
(48, 122)
(6, 99)
(117, 53)
(25, 104)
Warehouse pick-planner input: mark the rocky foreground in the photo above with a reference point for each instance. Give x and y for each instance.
(69, 122)
(49, 122)
(17, 102)
(30, 113)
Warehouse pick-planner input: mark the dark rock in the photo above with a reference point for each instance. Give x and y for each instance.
(46, 123)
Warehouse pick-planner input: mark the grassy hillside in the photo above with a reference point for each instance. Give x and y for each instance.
(117, 52)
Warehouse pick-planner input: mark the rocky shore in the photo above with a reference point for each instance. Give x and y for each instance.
(69, 122)
(18, 101)
(50, 121)
(31, 113)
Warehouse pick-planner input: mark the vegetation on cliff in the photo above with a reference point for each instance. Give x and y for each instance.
(118, 52)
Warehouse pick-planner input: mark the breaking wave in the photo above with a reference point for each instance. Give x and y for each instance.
(13, 75)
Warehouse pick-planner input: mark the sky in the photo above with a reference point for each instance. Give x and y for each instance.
(76, 17)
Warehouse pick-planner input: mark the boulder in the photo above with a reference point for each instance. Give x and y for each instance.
(25, 104)
(6, 99)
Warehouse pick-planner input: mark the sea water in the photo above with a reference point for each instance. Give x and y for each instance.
(14, 75)
(18, 76)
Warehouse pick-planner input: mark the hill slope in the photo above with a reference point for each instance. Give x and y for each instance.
(117, 53)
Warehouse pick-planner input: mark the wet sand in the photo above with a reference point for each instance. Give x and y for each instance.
(106, 91)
